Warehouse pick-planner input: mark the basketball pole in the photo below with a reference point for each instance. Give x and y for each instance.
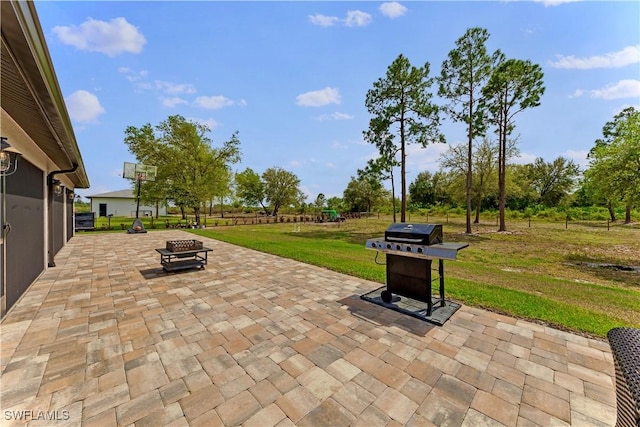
(138, 196)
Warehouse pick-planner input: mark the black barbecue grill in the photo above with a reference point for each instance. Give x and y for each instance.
(410, 250)
(420, 234)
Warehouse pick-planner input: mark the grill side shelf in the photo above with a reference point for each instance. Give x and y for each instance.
(438, 251)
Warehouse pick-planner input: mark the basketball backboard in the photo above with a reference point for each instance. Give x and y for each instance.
(139, 171)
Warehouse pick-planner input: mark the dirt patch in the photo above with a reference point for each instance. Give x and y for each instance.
(617, 267)
(628, 275)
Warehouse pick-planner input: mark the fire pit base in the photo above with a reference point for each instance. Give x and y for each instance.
(412, 307)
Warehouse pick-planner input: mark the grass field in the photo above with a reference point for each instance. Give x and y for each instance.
(565, 277)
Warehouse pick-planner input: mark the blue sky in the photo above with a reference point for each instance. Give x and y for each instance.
(291, 77)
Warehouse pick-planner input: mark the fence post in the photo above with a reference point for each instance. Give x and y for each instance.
(566, 222)
(607, 225)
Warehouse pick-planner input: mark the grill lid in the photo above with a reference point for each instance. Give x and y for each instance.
(422, 234)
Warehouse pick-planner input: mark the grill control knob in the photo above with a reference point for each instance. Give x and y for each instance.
(408, 248)
(388, 246)
(419, 250)
(397, 247)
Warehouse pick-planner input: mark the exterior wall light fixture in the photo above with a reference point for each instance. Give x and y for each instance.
(8, 158)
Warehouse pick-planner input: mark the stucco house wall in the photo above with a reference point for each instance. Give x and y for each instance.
(122, 203)
(36, 200)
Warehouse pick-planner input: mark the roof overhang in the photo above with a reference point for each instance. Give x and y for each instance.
(29, 90)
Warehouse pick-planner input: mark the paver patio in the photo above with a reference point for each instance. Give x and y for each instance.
(107, 338)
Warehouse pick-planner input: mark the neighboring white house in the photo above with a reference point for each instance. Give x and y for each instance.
(121, 203)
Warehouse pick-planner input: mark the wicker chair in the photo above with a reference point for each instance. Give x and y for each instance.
(625, 347)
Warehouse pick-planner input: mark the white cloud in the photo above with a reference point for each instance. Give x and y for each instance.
(318, 98)
(216, 102)
(175, 89)
(548, 3)
(295, 163)
(577, 94)
(132, 75)
(330, 165)
(83, 106)
(172, 102)
(324, 20)
(357, 18)
(393, 9)
(335, 116)
(524, 158)
(627, 56)
(622, 89)
(354, 18)
(139, 78)
(111, 38)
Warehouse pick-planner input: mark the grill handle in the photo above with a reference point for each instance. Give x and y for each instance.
(403, 240)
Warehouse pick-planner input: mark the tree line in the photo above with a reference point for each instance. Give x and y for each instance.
(612, 178)
(483, 91)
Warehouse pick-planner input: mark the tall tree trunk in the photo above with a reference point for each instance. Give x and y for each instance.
(403, 164)
(196, 214)
(502, 165)
(627, 214)
(184, 216)
(157, 209)
(612, 213)
(478, 206)
(468, 219)
(479, 200)
(393, 197)
(469, 165)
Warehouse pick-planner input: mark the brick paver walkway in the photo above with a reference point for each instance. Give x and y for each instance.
(107, 338)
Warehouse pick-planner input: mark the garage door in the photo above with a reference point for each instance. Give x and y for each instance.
(25, 243)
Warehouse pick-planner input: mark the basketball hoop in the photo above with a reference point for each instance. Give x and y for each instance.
(139, 173)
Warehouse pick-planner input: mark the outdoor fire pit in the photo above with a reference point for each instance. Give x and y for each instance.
(410, 250)
(183, 254)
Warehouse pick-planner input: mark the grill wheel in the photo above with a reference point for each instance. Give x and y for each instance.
(386, 296)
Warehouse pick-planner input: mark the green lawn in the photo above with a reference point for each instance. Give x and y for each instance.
(536, 272)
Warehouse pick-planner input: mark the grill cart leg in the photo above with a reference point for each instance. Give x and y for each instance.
(441, 274)
(428, 285)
